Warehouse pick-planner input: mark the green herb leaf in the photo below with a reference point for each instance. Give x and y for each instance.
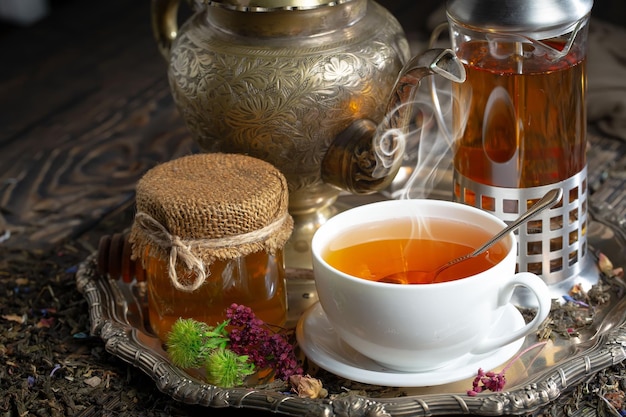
(217, 337)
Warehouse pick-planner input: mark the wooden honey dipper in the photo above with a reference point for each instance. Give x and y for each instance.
(114, 258)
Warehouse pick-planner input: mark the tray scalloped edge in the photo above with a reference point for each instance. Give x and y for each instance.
(122, 340)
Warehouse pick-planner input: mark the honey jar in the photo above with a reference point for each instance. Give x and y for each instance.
(209, 231)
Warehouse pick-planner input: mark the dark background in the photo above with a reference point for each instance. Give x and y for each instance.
(413, 14)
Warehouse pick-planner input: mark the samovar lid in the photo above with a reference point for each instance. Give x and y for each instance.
(267, 5)
(540, 19)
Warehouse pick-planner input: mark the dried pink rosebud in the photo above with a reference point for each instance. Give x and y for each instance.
(307, 387)
(605, 265)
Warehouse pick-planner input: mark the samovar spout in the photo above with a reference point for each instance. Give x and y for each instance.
(366, 156)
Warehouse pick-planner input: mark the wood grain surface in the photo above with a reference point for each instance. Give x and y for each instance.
(85, 110)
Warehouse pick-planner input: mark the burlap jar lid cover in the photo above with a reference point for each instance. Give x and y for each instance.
(201, 208)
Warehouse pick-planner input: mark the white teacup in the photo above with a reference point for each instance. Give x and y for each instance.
(419, 327)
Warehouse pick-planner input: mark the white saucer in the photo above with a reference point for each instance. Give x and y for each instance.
(321, 344)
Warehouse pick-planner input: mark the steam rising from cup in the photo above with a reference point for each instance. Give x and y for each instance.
(424, 144)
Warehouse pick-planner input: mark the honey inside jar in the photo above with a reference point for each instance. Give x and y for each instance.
(256, 280)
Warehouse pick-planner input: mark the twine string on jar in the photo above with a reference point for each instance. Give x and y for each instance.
(181, 249)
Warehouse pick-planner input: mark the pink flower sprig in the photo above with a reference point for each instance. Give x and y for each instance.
(265, 348)
(496, 381)
(487, 381)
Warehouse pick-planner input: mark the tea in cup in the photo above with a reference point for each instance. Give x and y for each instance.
(410, 325)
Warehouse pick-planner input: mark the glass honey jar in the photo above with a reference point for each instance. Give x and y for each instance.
(210, 231)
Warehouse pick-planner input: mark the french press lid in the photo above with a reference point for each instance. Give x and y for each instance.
(538, 19)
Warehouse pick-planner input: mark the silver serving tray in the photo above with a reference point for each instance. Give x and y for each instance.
(118, 315)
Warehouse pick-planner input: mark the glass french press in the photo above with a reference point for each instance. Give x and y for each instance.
(519, 125)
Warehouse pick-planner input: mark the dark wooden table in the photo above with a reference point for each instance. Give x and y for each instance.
(85, 110)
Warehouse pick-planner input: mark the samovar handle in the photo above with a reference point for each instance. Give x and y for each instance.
(164, 17)
(365, 157)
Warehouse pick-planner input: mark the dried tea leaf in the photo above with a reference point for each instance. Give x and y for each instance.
(14, 317)
(93, 382)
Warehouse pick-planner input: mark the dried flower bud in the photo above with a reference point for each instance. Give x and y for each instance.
(605, 265)
(185, 343)
(307, 387)
(227, 369)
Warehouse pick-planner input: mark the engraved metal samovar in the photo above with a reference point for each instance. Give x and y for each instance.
(302, 84)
